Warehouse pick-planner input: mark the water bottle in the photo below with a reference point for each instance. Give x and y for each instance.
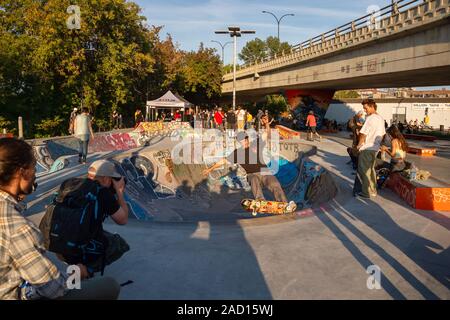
(413, 174)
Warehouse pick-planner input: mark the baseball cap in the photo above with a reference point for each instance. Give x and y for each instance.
(75, 109)
(104, 168)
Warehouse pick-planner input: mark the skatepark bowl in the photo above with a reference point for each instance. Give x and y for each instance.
(161, 190)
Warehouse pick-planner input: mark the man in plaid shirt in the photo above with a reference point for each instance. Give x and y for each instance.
(25, 272)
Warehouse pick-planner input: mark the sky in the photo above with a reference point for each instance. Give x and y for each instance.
(191, 22)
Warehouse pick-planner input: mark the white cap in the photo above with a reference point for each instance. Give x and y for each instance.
(104, 168)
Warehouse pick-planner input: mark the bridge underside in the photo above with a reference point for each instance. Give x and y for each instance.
(439, 76)
(414, 56)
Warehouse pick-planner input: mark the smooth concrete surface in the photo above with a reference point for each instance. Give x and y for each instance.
(324, 256)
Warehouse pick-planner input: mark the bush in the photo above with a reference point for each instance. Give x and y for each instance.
(50, 128)
(8, 125)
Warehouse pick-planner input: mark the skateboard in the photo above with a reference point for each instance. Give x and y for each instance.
(263, 206)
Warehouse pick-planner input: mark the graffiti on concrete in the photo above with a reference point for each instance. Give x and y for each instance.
(141, 188)
(303, 101)
(44, 160)
(404, 189)
(43, 157)
(165, 161)
(440, 195)
(111, 142)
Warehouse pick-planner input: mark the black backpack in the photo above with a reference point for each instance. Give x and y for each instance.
(72, 225)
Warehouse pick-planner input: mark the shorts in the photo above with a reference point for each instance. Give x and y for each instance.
(312, 129)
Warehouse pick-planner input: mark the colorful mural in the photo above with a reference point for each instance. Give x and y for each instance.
(303, 101)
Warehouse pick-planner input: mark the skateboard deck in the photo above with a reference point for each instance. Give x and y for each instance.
(263, 206)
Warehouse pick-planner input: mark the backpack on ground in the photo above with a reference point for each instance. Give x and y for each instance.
(73, 226)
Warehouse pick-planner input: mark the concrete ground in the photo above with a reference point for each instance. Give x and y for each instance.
(324, 256)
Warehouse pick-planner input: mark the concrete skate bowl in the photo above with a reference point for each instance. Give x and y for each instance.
(160, 190)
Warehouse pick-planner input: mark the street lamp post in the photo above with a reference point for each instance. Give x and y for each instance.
(279, 20)
(223, 49)
(235, 32)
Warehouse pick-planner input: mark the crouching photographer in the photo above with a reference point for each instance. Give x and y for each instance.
(73, 224)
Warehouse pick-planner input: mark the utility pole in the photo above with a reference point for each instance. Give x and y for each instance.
(235, 32)
(279, 20)
(223, 49)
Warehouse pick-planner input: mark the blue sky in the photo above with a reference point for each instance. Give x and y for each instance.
(193, 21)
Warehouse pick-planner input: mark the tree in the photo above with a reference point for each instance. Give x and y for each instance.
(346, 94)
(253, 50)
(201, 75)
(276, 105)
(274, 46)
(258, 49)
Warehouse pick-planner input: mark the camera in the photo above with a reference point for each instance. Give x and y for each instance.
(117, 180)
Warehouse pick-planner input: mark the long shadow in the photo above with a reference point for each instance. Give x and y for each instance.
(358, 255)
(184, 261)
(413, 246)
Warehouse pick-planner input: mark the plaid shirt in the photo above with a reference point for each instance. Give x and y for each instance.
(25, 273)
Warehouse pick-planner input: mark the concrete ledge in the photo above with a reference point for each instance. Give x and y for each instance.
(420, 197)
(287, 133)
(420, 137)
(424, 152)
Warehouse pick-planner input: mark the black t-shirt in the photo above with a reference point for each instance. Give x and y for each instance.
(231, 117)
(252, 163)
(107, 202)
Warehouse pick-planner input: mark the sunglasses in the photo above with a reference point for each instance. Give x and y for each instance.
(118, 179)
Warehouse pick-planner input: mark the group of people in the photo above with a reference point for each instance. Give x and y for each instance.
(29, 274)
(412, 127)
(218, 118)
(26, 271)
(371, 139)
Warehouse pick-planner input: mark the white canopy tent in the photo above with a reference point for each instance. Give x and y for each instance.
(167, 101)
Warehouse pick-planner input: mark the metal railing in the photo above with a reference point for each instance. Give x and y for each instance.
(389, 15)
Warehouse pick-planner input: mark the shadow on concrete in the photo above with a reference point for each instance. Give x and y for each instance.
(415, 247)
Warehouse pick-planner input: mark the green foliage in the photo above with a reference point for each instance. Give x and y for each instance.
(227, 68)
(274, 46)
(51, 127)
(8, 125)
(346, 94)
(198, 79)
(258, 49)
(114, 62)
(276, 105)
(254, 50)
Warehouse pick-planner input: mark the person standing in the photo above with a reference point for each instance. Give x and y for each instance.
(311, 124)
(231, 120)
(355, 124)
(83, 132)
(370, 139)
(138, 118)
(259, 115)
(73, 115)
(218, 119)
(240, 115)
(115, 119)
(249, 122)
